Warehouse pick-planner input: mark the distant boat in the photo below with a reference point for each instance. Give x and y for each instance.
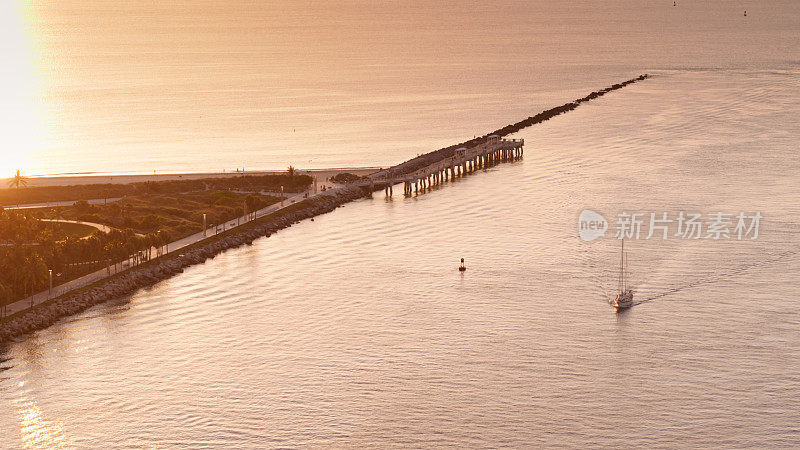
(745, 13)
(462, 267)
(624, 298)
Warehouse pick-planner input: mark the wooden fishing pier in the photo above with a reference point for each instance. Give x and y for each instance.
(462, 161)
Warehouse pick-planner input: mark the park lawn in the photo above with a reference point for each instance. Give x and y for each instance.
(141, 222)
(70, 230)
(250, 183)
(179, 215)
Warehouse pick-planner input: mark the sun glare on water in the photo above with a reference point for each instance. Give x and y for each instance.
(20, 132)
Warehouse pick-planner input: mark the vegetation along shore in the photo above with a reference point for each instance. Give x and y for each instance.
(143, 218)
(156, 212)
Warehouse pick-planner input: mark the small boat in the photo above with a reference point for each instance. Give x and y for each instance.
(462, 267)
(624, 298)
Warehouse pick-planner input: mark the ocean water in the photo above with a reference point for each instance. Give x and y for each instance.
(356, 329)
(128, 86)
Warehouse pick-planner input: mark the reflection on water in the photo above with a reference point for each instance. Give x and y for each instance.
(356, 329)
(35, 431)
(207, 86)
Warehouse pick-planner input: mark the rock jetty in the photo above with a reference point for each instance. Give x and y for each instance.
(148, 274)
(447, 152)
(158, 269)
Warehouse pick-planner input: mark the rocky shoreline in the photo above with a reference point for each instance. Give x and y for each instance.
(161, 268)
(150, 273)
(437, 155)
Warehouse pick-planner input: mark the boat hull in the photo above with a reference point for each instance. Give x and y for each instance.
(623, 300)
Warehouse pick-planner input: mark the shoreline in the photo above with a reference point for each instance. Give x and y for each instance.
(161, 268)
(81, 179)
(128, 281)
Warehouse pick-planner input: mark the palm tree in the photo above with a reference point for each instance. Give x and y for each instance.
(111, 251)
(18, 180)
(33, 275)
(71, 251)
(291, 171)
(132, 247)
(96, 249)
(144, 248)
(152, 241)
(5, 298)
(165, 239)
(251, 205)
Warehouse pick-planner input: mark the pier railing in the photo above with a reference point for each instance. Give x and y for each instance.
(465, 155)
(458, 158)
(446, 164)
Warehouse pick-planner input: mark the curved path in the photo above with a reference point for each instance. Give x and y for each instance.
(98, 275)
(99, 226)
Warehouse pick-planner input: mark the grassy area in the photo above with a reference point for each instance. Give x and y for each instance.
(69, 230)
(178, 214)
(140, 223)
(150, 215)
(280, 213)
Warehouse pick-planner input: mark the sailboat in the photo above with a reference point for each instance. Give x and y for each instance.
(624, 298)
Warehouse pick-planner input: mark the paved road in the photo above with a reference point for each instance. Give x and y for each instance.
(94, 201)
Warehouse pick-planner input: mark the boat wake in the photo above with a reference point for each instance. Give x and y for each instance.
(715, 278)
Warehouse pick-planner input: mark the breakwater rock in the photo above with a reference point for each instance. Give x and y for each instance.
(163, 267)
(447, 152)
(168, 265)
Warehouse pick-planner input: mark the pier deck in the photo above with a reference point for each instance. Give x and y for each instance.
(457, 162)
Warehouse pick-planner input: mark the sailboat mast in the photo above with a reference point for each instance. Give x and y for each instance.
(625, 274)
(622, 267)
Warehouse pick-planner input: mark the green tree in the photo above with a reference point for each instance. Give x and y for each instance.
(114, 210)
(150, 222)
(82, 206)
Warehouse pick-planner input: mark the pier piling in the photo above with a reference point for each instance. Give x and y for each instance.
(462, 162)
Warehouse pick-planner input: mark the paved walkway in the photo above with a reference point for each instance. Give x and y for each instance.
(94, 201)
(99, 226)
(173, 247)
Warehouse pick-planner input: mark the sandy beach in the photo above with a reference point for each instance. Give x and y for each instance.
(71, 180)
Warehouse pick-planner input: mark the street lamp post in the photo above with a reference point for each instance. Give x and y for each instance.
(50, 271)
(204, 224)
(281, 196)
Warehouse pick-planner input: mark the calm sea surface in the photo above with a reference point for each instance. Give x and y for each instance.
(356, 329)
